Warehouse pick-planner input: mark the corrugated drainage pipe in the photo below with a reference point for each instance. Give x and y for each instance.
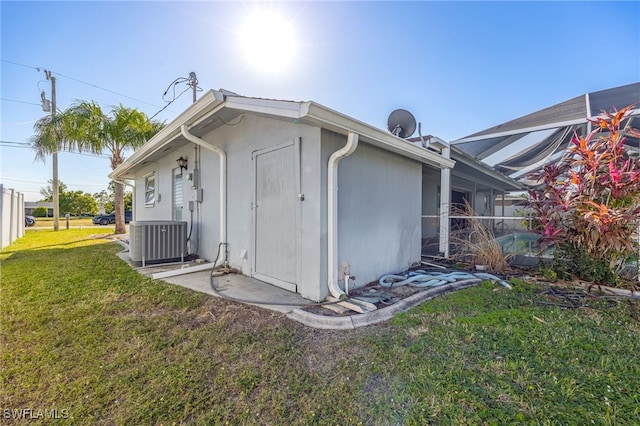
(332, 213)
(223, 181)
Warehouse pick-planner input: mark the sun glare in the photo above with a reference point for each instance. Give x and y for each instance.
(268, 41)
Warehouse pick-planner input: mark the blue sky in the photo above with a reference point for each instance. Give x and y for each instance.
(459, 67)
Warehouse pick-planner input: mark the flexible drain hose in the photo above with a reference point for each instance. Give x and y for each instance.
(422, 279)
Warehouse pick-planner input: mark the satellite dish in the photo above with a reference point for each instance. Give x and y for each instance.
(401, 123)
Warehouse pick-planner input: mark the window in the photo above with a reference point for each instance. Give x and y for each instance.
(177, 194)
(150, 190)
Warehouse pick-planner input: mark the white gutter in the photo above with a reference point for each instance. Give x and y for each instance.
(223, 179)
(339, 123)
(202, 109)
(332, 213)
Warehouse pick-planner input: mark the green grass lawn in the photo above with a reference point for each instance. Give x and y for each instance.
(87, 339)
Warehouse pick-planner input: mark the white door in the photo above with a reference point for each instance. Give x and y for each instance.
(276, 215)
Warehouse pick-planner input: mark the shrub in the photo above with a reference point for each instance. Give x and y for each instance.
(589, 203)
(40, 212)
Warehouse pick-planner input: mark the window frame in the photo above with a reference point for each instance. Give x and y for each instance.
(150, 185)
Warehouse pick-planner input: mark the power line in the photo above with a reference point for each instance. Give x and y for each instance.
(13, 144)
(106, 90)
(169, 103)
(192, 83)
(66, 184)
(23, 65)
(19, 123)
(83, 82)
(20, 102)
(10, 144)
(23, 181)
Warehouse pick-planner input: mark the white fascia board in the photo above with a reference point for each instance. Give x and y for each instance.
(279, 108)
(196, 111)
(343, 124)
(327, 118)
(305, 111)
(488, 170)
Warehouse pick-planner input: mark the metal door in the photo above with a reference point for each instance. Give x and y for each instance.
(276, 211)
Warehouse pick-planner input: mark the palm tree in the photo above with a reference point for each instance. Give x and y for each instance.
(48, 140)
(84, 127)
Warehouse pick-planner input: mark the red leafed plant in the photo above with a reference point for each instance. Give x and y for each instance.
(588, 205)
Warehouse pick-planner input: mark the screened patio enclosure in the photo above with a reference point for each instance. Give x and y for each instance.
(525, 144)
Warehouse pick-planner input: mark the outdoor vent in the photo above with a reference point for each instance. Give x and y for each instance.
(153, 242)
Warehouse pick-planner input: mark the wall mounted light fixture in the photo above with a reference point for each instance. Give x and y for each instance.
(182, 163)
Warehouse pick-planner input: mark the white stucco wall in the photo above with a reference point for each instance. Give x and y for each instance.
(252, 133)
(379, 208)
(379, 201)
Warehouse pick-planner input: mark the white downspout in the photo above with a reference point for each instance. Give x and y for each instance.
(332, 213)
(223, 179)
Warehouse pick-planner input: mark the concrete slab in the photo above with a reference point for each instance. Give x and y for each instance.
(244, 289)
(237, 287)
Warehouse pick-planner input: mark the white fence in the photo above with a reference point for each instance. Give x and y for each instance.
(12, 220)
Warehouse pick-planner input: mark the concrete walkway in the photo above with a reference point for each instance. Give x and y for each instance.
(245, 289)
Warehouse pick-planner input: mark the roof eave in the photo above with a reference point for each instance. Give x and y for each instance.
(202, 107)
(484, 168)
(317, 114)
(307, 112)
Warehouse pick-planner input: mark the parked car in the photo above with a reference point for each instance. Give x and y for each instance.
(29, 220)
(106, 219)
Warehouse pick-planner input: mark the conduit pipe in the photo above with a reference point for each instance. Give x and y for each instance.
(223, 181)
(332, 213)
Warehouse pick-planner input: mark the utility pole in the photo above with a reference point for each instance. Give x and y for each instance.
(56, 204)
(193, 82)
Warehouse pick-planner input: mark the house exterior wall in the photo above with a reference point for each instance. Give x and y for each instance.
(240, 142)
(163, 169)
(379, 201)
(253, 133)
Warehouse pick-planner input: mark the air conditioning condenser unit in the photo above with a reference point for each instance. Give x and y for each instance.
(158, 241)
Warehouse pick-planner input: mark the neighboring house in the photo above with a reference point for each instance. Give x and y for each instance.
(30, 206)
(293, 193)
